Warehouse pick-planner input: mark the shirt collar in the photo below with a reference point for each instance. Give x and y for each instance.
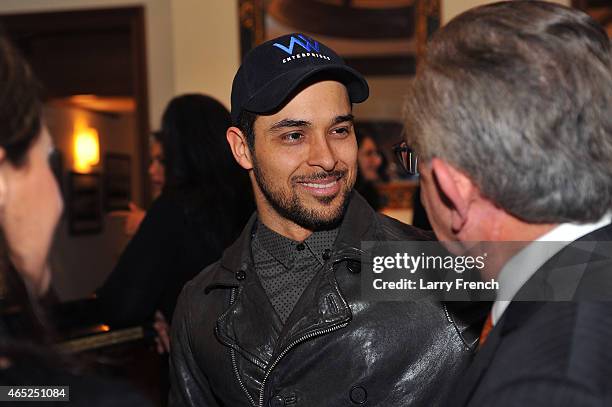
(284, 249)
(520, 268)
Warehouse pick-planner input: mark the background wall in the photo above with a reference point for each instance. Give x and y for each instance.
(206, 46)
(386, 98)
(192, 45)
(81, 263)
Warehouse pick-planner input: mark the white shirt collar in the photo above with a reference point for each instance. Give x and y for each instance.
(523, 265)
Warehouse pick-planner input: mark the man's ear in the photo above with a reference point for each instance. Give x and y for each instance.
(240, 147)
(456, 189)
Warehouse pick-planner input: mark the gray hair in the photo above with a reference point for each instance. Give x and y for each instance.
(518, 95)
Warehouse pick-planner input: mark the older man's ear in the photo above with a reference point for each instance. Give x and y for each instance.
(456, 191)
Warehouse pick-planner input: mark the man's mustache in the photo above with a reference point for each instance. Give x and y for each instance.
(319, 176)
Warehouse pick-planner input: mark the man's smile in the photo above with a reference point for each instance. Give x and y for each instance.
(327, 186)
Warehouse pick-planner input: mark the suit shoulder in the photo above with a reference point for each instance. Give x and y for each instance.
(570, 339)
(393, 229)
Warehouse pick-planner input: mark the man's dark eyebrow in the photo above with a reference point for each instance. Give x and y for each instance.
(343, 118)
(289, 123)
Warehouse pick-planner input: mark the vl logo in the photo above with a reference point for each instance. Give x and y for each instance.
(308, 44)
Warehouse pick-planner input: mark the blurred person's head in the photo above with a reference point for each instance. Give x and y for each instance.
(368, 158)
(157, 170)
(199, 166)
(510, 117)
(294, 132)
(30, 202)
(193, 129)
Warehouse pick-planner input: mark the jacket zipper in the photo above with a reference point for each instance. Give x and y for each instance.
(290, 346)
(242, 386)
(287, 349)
(234, 363)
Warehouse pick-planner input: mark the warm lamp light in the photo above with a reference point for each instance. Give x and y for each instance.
(86, 148)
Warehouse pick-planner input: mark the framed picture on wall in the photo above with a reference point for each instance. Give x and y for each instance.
(84, 204)
(117, 181)
(395, 38)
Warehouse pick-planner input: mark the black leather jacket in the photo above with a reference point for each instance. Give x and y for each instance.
(230, 349)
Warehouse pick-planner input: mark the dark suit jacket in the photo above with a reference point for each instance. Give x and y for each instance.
(550, 353)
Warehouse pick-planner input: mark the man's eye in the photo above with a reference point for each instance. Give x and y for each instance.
(292, 137)
(341, 131)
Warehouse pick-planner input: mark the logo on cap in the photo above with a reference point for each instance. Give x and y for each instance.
(308, 44)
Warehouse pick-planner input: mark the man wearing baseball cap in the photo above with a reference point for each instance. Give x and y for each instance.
(279, 320)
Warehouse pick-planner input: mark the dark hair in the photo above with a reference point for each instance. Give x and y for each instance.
(517, 94)
(361, 136)
(156, 136)
(20, 107)
(20, 126)
(246, 123)
(200, 168)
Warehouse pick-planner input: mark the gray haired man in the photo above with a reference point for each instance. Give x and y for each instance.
(510, 117)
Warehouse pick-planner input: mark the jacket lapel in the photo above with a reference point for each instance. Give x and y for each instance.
(468, 383)
(515, 316)
(242, 326)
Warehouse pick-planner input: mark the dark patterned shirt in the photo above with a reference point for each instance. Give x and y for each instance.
(286, 267)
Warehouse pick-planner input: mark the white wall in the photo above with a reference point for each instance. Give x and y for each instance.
(206, 46)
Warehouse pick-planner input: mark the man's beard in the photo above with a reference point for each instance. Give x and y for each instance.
(289, 206)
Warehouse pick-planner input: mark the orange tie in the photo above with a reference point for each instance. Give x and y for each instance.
(486, 329)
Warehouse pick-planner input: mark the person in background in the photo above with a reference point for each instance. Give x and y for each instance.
(369, 158)
(30, 208)
(510, 116)
(157, 167)
(134, 215)
(204, 203)
(369, 161)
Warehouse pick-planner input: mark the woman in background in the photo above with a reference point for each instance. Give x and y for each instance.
(369, 161)
(157, 175)
(30, 207)
(157, 166)
(202, 208)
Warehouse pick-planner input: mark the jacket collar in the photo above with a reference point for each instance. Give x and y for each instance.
(258, 338)
(285, 250)
(358, 224)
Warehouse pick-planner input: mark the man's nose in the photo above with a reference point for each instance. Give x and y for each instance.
(321, 154)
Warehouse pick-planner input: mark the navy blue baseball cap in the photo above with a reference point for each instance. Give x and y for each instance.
(273, 70)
